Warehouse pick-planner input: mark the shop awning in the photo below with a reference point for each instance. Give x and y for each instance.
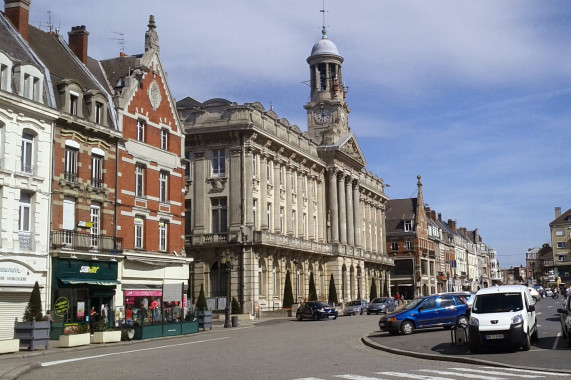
(89, 281)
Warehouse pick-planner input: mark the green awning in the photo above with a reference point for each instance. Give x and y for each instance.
(89, 281)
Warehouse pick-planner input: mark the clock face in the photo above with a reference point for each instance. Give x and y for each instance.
(322, 116)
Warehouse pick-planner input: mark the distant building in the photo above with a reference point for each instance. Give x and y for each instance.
(560, 229)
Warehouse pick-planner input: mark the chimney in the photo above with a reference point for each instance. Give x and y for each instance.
(440, 217)
(18, 12)
(452, 224)
(78, 42)
(433, 215)
(557, 212)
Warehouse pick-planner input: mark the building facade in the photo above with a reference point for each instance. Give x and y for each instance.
(278, 201)
(560, 229)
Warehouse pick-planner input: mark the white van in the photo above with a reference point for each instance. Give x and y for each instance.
(502, 315)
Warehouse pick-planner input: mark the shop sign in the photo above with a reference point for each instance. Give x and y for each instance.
(14, 274)
(85, 224)
(143, 293)
(88, 269)
(61, 306)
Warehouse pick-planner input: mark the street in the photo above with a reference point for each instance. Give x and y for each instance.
(288, 349)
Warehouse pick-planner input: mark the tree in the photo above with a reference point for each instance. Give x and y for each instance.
(373, 290)
(312, 290)
(288, 292)
(236, 309)
(34, 308)
(201, 301)
(332, 291)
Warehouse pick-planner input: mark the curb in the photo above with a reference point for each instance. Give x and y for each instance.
(458, 359)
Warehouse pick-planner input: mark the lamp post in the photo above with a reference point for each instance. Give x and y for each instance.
(227, 262)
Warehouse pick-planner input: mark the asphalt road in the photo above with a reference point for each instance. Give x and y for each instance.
(288, 349)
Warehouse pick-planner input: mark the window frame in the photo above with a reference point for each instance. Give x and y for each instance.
(164, 139)
(218, 163)
(163, 236)
(141, 129)
(163, 186)
(140, 174)
(139, 233)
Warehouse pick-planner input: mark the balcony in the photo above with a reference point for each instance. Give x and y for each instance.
(74, 241)
(70, 176)
(210, 239)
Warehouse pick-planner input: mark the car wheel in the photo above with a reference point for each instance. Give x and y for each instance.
(316, 317)
(368, 313)
(361, 312)
(462, 320)
(298, 317)
(527, 343)
(535, 334)
(407, 327)
(334, 317)
(474, 348)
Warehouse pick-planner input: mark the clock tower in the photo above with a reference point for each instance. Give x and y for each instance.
(326, 111)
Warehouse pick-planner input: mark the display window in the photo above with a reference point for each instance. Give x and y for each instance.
(70, 305)
(143, 307)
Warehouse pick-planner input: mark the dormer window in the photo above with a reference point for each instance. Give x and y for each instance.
(4, 77)
(27, 78)
(73, 102)
(99, 112)
(407, 225)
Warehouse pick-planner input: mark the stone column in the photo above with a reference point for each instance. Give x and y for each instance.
(235, 199)
(367, 225)
(249, 173)
(357, 209)
(277, 197)
(332, 212)
(289, 206)
(299, 213)
(342, 209)
(310, 208)
(198, 200)
(350, 213)
(263, 192)
(321, 210)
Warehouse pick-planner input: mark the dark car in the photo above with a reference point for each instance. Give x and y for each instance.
(565, 319)
(315, 310)
(381, 305)
(444, 310)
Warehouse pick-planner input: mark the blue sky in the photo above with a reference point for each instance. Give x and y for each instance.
(473, 96)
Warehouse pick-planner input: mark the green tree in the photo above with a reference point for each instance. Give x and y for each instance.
(34, 308)
(288, 292)
(373, 290)
(332, 291)
(235, 306)
(201, 301)
(312, 290)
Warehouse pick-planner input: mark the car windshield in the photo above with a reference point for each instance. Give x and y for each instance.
(354, 303)
(320, 304)
(414, 303)
(379, 300)
(497, 303)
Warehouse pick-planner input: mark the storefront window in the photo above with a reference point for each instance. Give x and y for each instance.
(70, 305)
(143, 307)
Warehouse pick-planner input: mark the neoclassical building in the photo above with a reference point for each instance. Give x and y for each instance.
(275, 199)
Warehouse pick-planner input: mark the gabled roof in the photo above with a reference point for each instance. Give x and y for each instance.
(120, 67)
(346, 147)
(399, 210)
(565, 218)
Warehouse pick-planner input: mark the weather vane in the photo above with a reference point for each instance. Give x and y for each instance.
(324, 31)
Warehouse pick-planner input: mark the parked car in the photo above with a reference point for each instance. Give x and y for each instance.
(502, 315)
(467, 296)
(355, 307)
(565, 318)
(381, 305)
(534, 294)
(548, 293)
(444, 310)
(315, 310)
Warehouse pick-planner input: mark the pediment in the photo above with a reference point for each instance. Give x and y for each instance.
(350, 148)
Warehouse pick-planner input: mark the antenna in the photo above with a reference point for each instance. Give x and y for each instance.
(48, 25)
(121, 39)
(323, 11)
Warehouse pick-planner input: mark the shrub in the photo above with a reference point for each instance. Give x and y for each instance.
(288, 292)
(34, 308)
(312, 290)
(332, 292)
(201, 304)
(373, 290)
(236, 309)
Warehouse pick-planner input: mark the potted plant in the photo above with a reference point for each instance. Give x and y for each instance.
(33, 331)
(105, 334)
(204, 315)
(75, 335)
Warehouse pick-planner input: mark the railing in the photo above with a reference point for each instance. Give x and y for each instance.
(75, 241)
(28, 169)
(97, 183)
(70, 176)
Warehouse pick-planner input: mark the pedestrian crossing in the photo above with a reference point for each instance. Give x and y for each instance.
(452, 373)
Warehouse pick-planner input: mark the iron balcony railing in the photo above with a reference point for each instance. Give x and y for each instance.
(74, 241)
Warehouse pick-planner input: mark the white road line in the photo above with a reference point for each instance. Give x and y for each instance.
(531, 371)
(496, 372)
(472, 375)
(556, 341)
(357, 377)
(309, 378)
(56, 362)
(414, 376)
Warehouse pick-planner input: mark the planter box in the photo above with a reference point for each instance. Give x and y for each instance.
(205, 319)
(9, 345)
(189, 327)
(74, 340)
(107, 336)
(148, 331)
(32, 334)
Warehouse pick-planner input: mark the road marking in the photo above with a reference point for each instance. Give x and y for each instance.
(56, 362)
(414, 376)
(531, 371)
(556, 341)
(357, 377)
(472, 375)
(496, 372)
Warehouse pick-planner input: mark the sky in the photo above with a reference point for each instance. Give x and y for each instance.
(473, 96)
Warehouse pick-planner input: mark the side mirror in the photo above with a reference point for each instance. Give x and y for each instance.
(531, 308)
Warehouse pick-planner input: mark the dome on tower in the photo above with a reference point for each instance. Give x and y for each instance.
(324, 46)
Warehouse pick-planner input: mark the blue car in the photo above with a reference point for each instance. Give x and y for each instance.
(315, 310)
(444, 310)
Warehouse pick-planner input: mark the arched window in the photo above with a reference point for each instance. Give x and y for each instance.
(218, 280)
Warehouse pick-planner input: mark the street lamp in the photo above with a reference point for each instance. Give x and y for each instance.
(226, 261)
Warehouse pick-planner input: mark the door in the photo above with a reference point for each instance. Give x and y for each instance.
(447, 310)
(427, 313)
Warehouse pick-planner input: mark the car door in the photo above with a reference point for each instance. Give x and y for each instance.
(427, 313)
(447, 310)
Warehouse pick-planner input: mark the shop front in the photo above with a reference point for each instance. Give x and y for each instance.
(83, 292)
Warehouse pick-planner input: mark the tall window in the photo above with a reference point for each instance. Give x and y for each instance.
(139, 233)
(282, 219)
(218, 207)
(218, 163)
(139, 181)
(408, 225)
(68, 220)
(254, 165)
(255, 211)
(304, 186)
(304, 225)
(269, 171)
(261, 278)
(27, 86)
(97, 171)
(164, 138)
(163, 236)
(269, 215)
(3, 77)
(98, 112)
(188, 217)
(25, 221)
(27, 158)
(95, 214)
(73, 103)
(163, 186)
(293, 182)
(71, 164)
(141, 130)
(293, 215)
